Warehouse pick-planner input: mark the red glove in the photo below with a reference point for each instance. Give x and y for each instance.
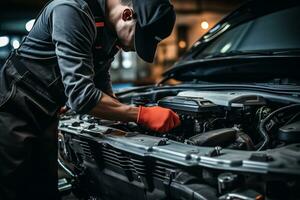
(157, 118)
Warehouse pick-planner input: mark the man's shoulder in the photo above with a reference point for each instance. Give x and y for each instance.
(79, 5)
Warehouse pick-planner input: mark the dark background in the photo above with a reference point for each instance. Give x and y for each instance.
(194, 18)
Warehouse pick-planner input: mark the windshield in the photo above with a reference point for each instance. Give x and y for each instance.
(276, 31)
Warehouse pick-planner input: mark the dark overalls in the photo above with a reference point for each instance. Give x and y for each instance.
(31, 94)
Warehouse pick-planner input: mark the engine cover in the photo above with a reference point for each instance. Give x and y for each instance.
(227, 99)
(188, 105)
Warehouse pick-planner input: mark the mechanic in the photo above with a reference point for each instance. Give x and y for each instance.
(65, 60)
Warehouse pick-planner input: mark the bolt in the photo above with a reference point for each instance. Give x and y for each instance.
(218, 150)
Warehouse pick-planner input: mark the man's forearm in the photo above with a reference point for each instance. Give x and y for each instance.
(111, 109)
(155, 118)
(111, 94)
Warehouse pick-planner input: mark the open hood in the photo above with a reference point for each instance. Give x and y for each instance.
(257, 42)
(237, 69)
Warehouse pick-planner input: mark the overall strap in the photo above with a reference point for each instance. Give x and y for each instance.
(99, 20)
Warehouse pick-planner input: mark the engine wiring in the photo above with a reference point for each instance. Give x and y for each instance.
(263, 123)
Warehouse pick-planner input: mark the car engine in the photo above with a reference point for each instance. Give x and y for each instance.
(226, 119)
(213, 124)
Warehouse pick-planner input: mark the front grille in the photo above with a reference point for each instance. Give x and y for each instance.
(107, 156)
(123, 160)
(86, 148)
(135, 164)
(161, 169)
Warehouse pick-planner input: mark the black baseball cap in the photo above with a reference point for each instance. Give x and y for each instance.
(155, 22)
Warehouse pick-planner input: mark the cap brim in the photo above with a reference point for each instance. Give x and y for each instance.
(145, 44)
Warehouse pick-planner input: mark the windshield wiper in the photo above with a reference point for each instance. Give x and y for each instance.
(259, 53)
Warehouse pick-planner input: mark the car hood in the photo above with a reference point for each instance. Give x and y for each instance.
(237, 69)
(243, 66)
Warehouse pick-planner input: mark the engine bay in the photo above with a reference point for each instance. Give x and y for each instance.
(229, 145)
(235, 120)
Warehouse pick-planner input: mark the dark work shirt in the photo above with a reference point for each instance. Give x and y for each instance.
(66, 30)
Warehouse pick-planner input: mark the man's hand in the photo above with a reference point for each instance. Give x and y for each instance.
(157, 118)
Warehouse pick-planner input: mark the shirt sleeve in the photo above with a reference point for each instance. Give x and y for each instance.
(102, 79)
(73, 34)
(104, 83)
